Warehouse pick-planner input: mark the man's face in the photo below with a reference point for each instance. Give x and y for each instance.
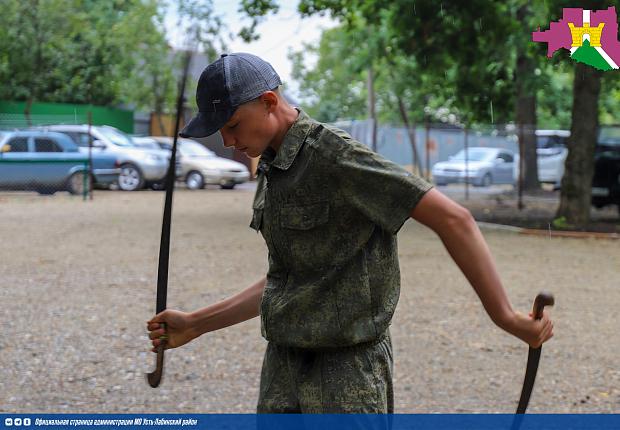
(251, 128)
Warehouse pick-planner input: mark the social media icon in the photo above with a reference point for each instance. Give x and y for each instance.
(8, 422)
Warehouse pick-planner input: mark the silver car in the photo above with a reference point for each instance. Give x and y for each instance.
(199, 166)
(140, 167)
(481, 167)
(145, 142)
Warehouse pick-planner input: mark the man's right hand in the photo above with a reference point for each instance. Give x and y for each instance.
(531, 331)
(179, 328)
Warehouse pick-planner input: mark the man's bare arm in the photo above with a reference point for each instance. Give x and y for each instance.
(462, 238)
(183, 327)
(233, 310)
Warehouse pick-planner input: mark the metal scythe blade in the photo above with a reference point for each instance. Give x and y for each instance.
(154, 378)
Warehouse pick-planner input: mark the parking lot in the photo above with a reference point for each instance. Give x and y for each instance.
(78, 283)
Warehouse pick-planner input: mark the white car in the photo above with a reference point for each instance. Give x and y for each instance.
(551, 152)
(199, 166)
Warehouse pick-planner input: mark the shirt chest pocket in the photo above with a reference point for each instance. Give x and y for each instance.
(304, 216)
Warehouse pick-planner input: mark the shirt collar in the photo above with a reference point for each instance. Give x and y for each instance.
(291, 144)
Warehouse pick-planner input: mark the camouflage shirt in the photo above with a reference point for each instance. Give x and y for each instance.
(329, 210)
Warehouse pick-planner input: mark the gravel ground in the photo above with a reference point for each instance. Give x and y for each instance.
(78, 284)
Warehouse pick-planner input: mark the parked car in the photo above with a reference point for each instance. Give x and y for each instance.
(486, 166)
(47, 162)
(551, 151)
(606, 177)
(146, 142)
(139, 167)
(199, 166)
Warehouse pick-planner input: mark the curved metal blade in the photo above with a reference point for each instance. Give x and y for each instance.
(154, 378)
(533, 357)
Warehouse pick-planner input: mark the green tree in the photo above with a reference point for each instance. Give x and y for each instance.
(334, 89)
(484, 41)
(576, 190)
(86, 51)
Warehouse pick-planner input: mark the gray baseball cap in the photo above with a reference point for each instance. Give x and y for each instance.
(231, 80)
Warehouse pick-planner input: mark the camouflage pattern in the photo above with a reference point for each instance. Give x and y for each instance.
(329, 209)
(355, 379)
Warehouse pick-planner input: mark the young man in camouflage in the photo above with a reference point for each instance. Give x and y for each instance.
(329, 210)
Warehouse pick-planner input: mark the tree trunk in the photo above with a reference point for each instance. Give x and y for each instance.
(579, 165)
(411, 133)
(526, 111)
(371, 108)
(159, 105)
(27, 110)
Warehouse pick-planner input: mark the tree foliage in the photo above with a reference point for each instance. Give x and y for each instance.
(491, 71)
(106, 53)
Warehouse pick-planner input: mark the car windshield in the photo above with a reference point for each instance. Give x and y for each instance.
(116, 137)
(192, 149)
(550, 141)
(474, 155)
(609, 136)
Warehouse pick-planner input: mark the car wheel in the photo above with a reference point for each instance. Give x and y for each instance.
(78, 183)
(130, 178)
(228, 186)
(486, 180)
(195, 180)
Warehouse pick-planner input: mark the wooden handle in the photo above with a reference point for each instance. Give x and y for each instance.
(542, 299)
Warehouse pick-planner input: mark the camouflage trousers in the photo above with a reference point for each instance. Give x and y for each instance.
(354, 379)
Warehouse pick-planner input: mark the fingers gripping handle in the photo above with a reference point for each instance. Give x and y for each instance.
(154, 378)
(542, 299)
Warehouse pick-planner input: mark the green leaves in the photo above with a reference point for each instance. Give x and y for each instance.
(85, 51)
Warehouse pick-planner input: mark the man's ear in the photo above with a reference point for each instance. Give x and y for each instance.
(270, 100)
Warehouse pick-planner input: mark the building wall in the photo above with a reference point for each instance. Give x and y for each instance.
(57, 113)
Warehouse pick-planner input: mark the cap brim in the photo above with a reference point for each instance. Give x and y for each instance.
(206, 123)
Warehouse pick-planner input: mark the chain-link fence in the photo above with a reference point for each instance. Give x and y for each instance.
(433, 144)
(480, 156)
